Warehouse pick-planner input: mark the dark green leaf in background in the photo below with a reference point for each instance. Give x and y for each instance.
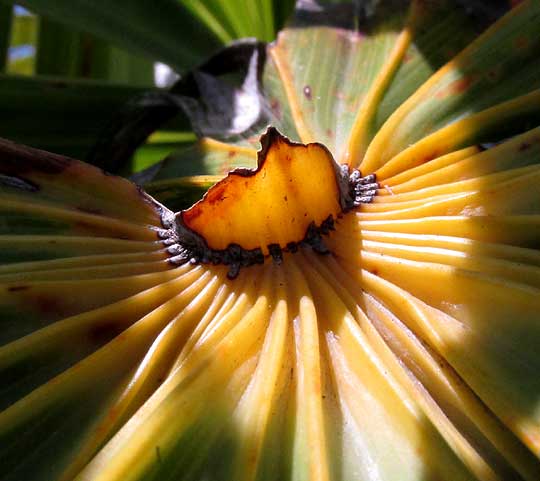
(62, 51)
(59, 115)
(163, 29)
(5, 32)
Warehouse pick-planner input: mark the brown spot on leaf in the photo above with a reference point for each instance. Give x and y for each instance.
(456, 87)
(426, 158)
(89, 210)
(18, 288)
(524, 146)
(307, 92)
(216, 196)
(461, 85)
(103, 333)
(275, 106)
(494, 74)
(521, 43)
(48, 305)
(450, 52)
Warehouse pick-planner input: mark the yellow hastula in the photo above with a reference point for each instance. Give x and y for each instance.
(291, 188)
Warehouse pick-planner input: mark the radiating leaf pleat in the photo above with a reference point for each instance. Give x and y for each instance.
(203, 411)
(100, 260)
(499, 65)
(499, 306)
(519, 230)
(500, 122)
(22, 248)
(310, 455)
(408, 352)
(86, 379)
(59, 345)
(368, 394)
(261, 400)
(435, 376)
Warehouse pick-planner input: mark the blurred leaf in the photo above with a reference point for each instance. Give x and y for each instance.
(111, 63)
(163, 30)
(64, 116)
(243, 18)
(58, 50)
(24, 30)
(225, 100)
(6, 16)
(207, 156)
(22, 62)
(181, 193)
(129, 128)
(22, 44)
(62, 51)
(157, 147)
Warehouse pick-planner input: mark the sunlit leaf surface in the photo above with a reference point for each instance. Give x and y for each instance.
(409, 352)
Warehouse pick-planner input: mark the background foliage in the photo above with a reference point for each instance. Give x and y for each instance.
(81, 64)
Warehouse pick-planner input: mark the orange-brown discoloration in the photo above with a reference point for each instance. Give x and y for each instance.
(102, 333)
(456, 87)
(426, 158)
(494, 74)
(18, 288)
(49, 305)
(521, 43)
